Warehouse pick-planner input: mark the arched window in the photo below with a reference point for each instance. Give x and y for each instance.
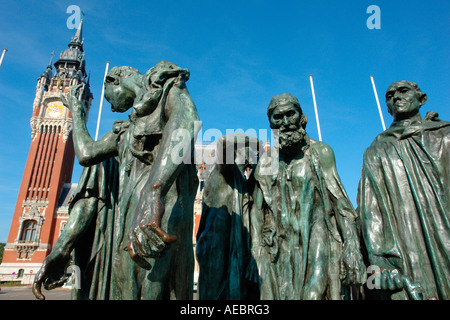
(20, 273)
(63, 225)
(29, 231)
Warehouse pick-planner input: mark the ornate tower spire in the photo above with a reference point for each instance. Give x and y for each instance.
(73, 56)
(47, 75)
(51, 60)
(37, 219)
(77, 39)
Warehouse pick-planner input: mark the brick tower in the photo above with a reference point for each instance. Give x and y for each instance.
(41, 209)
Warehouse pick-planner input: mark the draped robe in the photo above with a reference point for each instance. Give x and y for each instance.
(107, 270)
(404, 204)
(297, 242)
(222, 237)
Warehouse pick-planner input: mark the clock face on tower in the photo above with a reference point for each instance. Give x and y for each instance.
(54, 110)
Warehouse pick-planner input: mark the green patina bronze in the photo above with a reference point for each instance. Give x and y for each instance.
(131, 219)
(404, 200)
(283, 228)
(303, 227)
(223, 239)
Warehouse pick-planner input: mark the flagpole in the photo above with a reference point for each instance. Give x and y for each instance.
(315, 106)
(3, 55)
(101, 101)
(378, 103)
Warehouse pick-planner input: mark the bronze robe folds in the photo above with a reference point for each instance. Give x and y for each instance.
(295, 235)
(404, 204)
(108, 272)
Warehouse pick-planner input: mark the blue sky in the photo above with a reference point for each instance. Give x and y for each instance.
(240, 54)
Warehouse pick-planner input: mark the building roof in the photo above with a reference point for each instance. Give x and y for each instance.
(67, 192)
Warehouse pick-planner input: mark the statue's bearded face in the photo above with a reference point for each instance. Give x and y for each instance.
(402, 100)
(286, 118)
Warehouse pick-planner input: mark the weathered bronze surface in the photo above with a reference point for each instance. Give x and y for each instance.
(275, 225)
(404, 200)
(223, 239)
(131, 219)
(303, 226)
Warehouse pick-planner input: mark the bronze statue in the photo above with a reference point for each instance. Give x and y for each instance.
(132, 217)
(404, 200)
(303, 226)
(223, 239)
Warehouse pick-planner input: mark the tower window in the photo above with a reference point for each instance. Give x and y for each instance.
(63, 225)
(29, 231)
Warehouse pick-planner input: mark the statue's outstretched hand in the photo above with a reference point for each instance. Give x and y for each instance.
(147, 239)
(72, 102)
(52, 273)
(391, 279)
(353, 270)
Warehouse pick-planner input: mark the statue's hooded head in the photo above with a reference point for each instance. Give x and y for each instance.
(156, 83)
(164, 70)
(121, 87)
(404, 99)
(238, 149)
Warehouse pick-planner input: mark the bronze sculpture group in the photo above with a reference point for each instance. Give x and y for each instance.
(276, 224)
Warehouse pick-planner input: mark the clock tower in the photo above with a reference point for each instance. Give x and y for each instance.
(41, 209)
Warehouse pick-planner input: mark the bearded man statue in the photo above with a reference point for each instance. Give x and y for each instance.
(304, 236)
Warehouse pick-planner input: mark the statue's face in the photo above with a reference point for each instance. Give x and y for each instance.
(402, 100)
(245, 157)
(118, 94)
(285, 118)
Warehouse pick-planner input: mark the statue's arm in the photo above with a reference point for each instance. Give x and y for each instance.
(178, 137)
(345, 213)
(88, 151)
(179, 134)
(256, 224)
(52, 271)
(256, 220)
(80, 217)
(346, 218)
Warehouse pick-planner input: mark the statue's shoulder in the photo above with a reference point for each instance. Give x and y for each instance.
(432, 122)
(376, 150)
(322, 150)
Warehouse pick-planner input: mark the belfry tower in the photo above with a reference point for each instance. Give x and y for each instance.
(41, 209)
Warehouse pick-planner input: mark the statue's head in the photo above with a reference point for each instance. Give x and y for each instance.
(239, 149)
(286, 115)
(164, 70)
(120, 84)
(404, 99)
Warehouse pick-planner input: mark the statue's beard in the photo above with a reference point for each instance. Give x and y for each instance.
(292, 140)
